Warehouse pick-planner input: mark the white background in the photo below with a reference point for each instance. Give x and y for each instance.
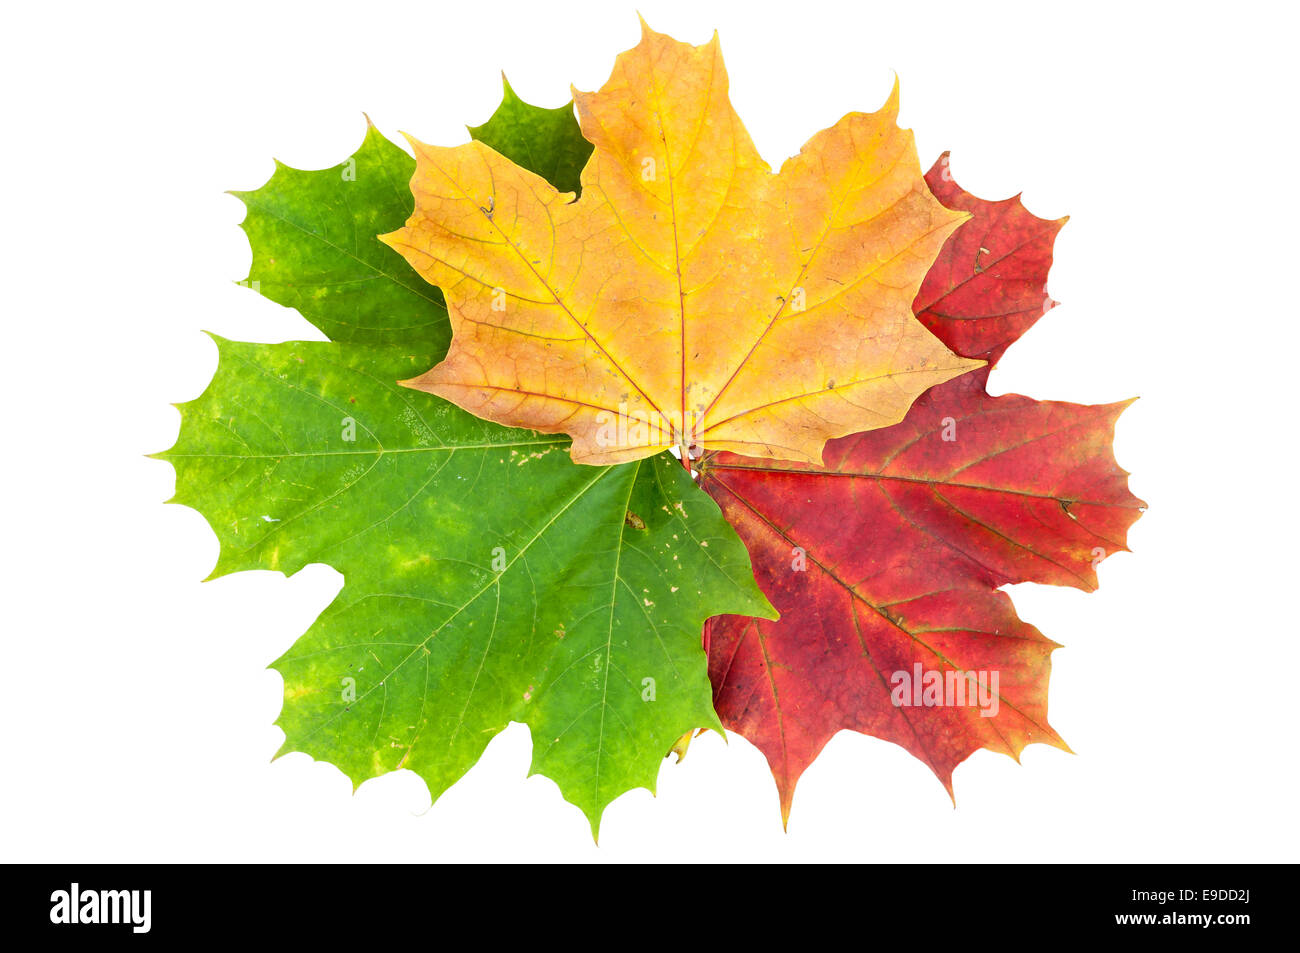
(138, 709)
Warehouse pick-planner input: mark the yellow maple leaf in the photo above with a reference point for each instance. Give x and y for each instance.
(690, 297)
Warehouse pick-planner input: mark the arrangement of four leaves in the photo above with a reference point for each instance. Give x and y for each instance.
(517, 544)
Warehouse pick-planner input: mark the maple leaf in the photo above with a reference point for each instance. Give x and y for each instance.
(543, 141)
(884, 562)
(315, 249)
(987, 287)
(486, 578)
(314, 233)
(689, 297)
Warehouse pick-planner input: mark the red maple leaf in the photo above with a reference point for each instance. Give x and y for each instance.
(885, 561)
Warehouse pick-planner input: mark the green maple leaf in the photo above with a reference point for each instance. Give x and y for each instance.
(543, 141)
(487, 578)
(313, 232)
(314, 249)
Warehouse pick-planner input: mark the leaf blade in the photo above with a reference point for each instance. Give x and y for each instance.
(313, 235)
(652, 298)
(482, 573)
(885, 561)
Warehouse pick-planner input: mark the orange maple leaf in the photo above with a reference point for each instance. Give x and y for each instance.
(690, 297)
